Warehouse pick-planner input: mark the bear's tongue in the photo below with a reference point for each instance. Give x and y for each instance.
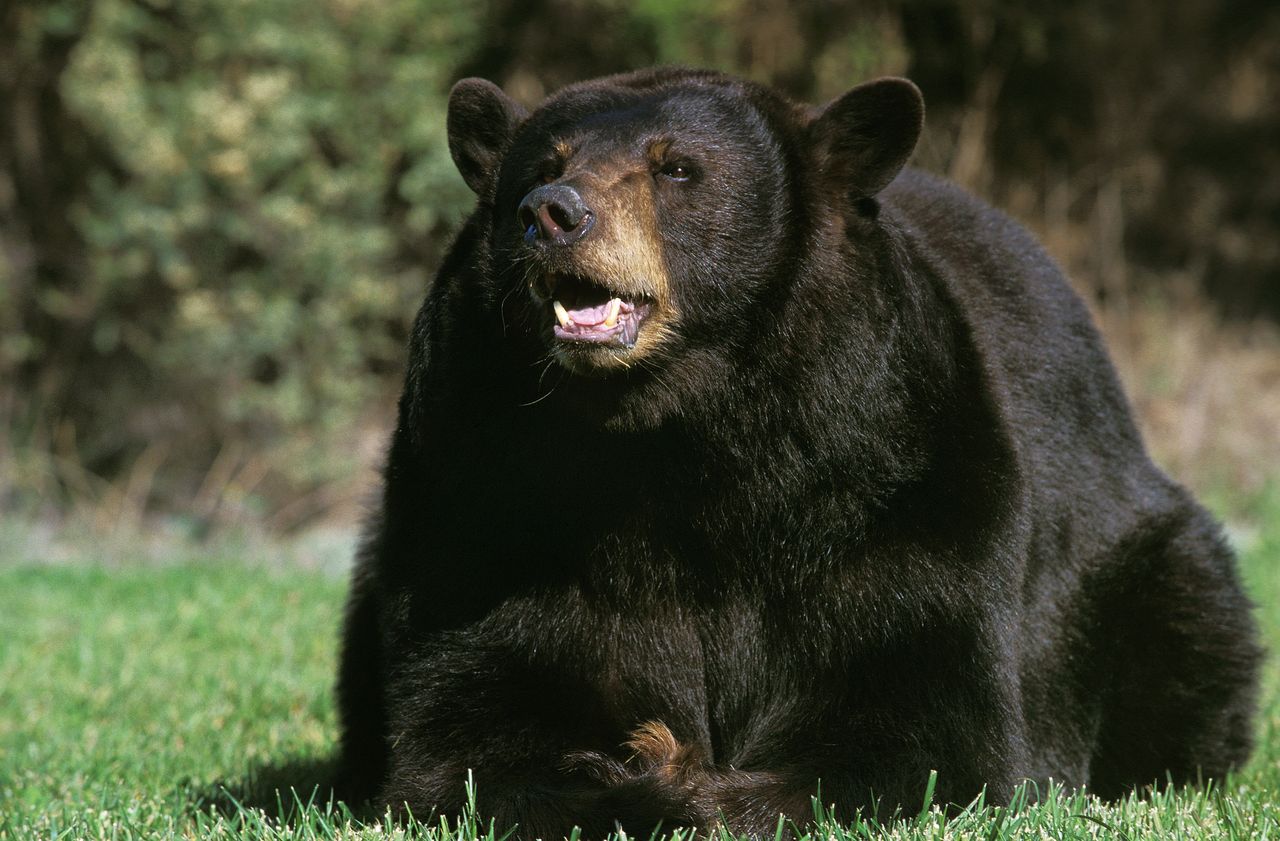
(592, 315)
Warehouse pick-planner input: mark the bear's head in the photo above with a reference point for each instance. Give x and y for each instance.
(644, 217)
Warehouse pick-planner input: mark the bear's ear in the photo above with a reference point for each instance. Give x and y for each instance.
(481, 122)
(863, 139)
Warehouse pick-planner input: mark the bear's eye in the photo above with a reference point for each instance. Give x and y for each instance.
(677, 171)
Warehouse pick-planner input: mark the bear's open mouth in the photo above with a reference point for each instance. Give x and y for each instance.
(585, 311)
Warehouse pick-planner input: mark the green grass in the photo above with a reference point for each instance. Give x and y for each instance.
(145, 700)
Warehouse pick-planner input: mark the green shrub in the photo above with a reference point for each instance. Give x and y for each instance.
(273, 190)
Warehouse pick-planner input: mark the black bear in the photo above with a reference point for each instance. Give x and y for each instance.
(735, 462)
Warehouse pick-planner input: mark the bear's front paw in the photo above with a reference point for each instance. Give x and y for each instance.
(657, 753)
(664, 780)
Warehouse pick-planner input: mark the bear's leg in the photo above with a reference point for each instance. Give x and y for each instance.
(541, 799)
(965, 728)
(673, 782)
(362, 714)
(1181, 663)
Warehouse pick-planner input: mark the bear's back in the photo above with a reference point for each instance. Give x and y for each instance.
(1044, 365)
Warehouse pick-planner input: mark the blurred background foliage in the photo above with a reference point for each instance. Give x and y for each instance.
(218, 218)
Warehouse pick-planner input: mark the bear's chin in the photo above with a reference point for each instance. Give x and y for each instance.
(593, 359)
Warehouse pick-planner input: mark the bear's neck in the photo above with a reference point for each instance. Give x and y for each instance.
(808, 414)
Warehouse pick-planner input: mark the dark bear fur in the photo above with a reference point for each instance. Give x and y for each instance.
(863, 500)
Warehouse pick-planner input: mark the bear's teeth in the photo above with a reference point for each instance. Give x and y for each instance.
(612, 318)
(562, 314)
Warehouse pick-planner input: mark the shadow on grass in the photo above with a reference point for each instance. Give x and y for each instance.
(283, 791)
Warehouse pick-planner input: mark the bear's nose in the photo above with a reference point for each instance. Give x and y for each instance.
(556, 213)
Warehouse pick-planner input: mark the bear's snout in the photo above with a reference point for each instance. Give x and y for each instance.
(555, 213)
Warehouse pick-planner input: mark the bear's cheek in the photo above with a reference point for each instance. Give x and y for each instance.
(715, 286)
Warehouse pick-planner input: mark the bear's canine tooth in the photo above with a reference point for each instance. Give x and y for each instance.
(612, 318)
(562, 315)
